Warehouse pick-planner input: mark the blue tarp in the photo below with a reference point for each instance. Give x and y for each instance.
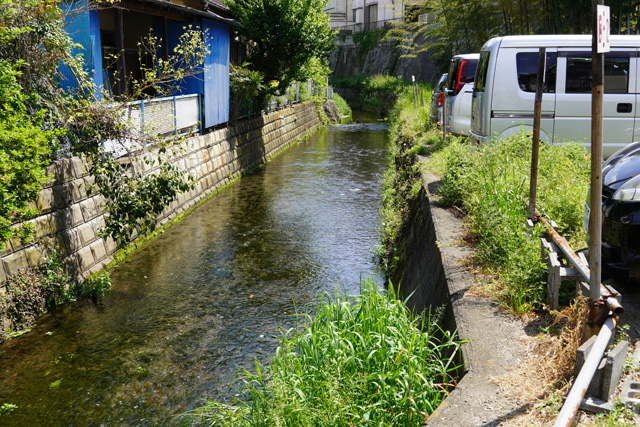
(216, 74)
(83, 26)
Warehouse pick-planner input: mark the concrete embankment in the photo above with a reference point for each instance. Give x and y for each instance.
(69, 218)
(431, 272)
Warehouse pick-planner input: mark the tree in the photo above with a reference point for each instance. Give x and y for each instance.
(285, 38)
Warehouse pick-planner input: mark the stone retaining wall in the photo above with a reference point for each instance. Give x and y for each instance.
(69, 219)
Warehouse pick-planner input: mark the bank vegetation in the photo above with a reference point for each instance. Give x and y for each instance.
(488, 186)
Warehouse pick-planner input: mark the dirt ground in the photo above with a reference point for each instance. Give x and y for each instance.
(517, 374)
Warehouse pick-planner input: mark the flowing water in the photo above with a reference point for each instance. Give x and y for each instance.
(208, 296)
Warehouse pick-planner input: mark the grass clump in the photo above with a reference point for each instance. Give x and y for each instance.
(32, 292)
(490, 183)
(363, 361)
(341, 105)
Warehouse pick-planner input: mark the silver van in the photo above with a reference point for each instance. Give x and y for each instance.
(504, 92)
(458, 92)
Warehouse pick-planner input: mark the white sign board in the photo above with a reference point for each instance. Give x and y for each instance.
(603, 29)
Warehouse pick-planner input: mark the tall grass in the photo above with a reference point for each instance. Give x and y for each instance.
(341, 105)
(408, 124)
(363, 361)
(491, 184)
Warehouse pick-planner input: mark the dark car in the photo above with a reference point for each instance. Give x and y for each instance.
(621, 214)
(437, 100)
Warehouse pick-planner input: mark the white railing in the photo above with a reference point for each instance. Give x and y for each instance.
(157, 119)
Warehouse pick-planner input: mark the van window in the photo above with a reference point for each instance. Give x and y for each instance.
(481, 73)
(527, 67)
(616, 74)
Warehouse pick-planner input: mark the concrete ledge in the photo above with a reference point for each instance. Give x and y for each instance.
(493, 339)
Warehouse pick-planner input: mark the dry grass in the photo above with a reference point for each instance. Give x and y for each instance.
(540, 383)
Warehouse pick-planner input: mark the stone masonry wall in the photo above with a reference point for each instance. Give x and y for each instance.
(69, 219)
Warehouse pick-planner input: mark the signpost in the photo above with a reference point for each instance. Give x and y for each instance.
(599, 47)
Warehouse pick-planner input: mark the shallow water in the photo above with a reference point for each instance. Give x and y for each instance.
(208, 296)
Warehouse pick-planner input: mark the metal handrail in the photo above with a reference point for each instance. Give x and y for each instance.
(580, 386)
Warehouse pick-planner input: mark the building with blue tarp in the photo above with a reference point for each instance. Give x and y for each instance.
(108, 35)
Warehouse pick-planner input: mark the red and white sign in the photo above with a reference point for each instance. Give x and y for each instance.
(603, 29)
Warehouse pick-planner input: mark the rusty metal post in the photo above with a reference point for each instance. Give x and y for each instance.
(595, 218)
(535, 143)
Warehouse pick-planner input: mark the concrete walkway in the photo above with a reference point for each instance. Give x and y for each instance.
(494, 340)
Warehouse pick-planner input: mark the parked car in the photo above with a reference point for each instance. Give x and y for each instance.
(620, 214)
(437, 100)
(504, 93)
(458, 93)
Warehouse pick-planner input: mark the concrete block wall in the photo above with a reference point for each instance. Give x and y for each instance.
(69, 219)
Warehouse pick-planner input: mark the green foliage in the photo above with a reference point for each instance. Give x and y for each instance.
(135, 199)
(374, 92)
(491, 184)
(25, 147)
(362, 361)
(402, 179)
(96, 286)
(246, 84)
(620, 416)
(341, 105)
(286, 36)
(7, 408)
(33, 291)
(135, 191)
(351, 82)
(367, 40)
(463, 26)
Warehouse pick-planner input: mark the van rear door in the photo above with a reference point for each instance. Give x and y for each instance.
(573, 104)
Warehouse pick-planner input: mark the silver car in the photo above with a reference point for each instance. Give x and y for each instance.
(458, 93)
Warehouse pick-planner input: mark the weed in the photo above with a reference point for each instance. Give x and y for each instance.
(362, 361)
(620, 416)
(341, 105)
(490, 183)
(7, 408)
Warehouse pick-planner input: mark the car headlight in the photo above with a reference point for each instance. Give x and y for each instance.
(629, 191)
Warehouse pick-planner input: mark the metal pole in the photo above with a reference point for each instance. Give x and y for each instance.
(595, 219)
(535, 143)
(579, 388)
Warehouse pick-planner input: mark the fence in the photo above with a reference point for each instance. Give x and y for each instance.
(368, 26)
(295, 93)
(158, 118)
